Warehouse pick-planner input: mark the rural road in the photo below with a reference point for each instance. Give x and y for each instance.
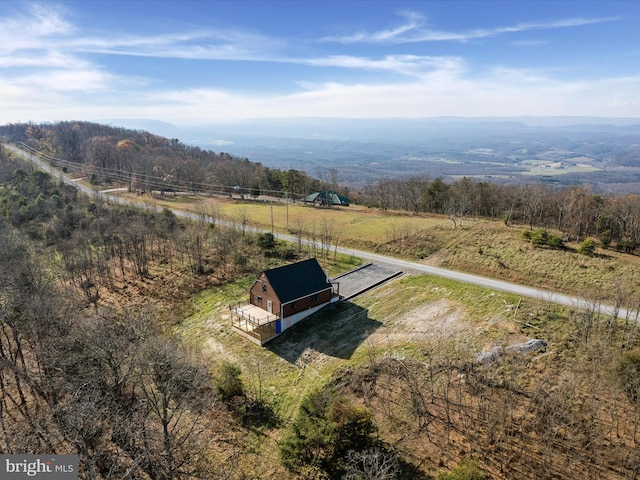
(406, 266)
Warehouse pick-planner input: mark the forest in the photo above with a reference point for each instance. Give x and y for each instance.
(92, 295)
(144, 161)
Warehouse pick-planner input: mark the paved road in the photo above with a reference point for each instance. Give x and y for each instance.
(406, 266)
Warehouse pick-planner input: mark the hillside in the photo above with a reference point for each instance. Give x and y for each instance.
(420, 378)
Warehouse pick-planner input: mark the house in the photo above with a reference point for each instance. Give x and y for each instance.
(327, 199)
(281, 297)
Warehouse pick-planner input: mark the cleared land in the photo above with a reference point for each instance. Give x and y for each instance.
(480, 246)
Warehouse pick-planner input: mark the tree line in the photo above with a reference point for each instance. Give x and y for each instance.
(145, 161)
(576, 211)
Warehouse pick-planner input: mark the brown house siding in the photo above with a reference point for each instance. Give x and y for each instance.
(302, 304)
(261, 292)
(258, 296)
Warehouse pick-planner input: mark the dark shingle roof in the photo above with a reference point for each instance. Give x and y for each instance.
(297, 280)
(324, 197)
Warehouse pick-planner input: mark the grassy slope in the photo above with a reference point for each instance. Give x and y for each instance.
(476, 245)
(397, 320)
(408, 315)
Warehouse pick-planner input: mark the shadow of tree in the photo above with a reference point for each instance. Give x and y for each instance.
(336, 331)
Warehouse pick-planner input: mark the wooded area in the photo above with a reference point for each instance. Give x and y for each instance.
(144, 161)
(91, 294)
(575, 211)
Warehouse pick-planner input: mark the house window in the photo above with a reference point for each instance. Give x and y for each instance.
(264, 288)
(314, 298)
(293, 305)
(259, 301)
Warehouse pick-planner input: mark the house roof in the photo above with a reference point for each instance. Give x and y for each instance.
(327, 196)
(297, 280)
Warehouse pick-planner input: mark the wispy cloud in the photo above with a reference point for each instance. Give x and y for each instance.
(53, 68)
(410, 65)
(499, 93)
(33, 29)
(201, 45)
(44, 29)
(413, 31)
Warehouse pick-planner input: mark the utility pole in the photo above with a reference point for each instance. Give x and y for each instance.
(271, 208)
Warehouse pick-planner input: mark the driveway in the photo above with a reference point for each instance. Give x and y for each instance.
(361, 279)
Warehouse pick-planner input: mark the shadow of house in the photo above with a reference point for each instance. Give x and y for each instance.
(336, 331)
(281, 297)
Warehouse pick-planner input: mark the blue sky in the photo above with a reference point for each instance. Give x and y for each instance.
(206, 62)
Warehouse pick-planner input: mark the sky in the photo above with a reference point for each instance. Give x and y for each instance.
(209, 62)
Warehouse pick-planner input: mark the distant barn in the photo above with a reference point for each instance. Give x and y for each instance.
(327, 199)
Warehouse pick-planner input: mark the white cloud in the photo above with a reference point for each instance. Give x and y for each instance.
(411, 31)
(501, 93)
(411, 65)
(33, 30)
(529, 43)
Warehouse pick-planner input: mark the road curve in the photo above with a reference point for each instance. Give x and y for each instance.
(407, 266)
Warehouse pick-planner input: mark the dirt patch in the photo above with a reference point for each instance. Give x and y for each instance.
(436, 320)
(216, 348)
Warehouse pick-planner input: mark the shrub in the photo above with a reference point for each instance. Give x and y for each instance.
(627, 246)
(229, 384)
(326, 429)
(555, 241)
(266, 240)
(587, 247)
(540, 238)
(605, 238)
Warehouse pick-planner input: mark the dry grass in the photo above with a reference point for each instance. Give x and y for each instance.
(475, 245)
(416, 318)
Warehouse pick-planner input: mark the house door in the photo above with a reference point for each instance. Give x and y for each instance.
(269, 306)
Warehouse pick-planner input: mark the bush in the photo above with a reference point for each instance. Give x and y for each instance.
(229, 384)
(326, 429)
(605, 238)
(542, 238)
(587, 247)
(266, 240)
(555, 241)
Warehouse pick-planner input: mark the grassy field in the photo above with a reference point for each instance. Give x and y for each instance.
(479, 246)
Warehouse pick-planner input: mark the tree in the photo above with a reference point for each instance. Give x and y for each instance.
(587, 247)
(177, 394)
(628, 374)
(326, 429)
(373, 464)
(229, 384)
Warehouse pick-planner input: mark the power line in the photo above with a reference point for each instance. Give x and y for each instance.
(149, 181)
